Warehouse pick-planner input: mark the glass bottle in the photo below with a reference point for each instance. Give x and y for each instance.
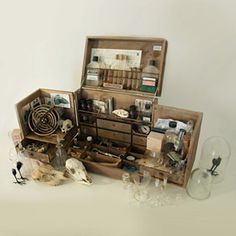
(150, 76)
(88, 143)
(179, 143)
(170, 138)
(61, 156)
(215, 156)
(187, 136)
(93, 73)
(147, 112)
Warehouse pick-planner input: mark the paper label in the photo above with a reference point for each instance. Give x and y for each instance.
(107, 57)
(157, 48)
(147, 119)
(92, 77)
(149, 81)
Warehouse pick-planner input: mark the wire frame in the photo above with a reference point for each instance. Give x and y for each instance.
(43, 120)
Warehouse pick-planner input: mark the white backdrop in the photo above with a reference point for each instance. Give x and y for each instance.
(42, 45)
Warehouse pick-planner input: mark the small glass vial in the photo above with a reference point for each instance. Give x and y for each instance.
(93, 73)
(150, 77)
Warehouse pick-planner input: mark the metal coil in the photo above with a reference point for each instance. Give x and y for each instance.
(43, 120)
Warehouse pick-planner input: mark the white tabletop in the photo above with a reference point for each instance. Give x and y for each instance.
(105, 208)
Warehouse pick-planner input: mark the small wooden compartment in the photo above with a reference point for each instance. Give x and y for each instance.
(135, 51)
(49, 98)
(45, 152)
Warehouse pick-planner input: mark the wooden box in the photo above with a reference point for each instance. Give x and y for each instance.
(112, 87)
(100, 124)
(25, 109)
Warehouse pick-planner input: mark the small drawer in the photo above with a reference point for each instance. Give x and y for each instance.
(88, 130)
(139, 140)
(118, 126)
(114, 135)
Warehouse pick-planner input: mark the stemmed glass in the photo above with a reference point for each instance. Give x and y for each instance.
(160, 196)
(141, 181)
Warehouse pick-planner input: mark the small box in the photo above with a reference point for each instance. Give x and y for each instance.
(154, 141)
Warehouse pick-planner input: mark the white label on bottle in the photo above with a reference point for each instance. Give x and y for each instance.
(149, 81)
(157, 48)
(149, 78)
(147, 119)
(92, 77)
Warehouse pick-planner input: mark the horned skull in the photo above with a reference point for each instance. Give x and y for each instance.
(77, 171)
(66, 125)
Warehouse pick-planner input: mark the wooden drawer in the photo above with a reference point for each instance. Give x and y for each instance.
(114, 135)
(118, 126)
(88, 130)
(139, 140)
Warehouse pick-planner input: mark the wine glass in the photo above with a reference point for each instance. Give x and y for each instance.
(160, 196)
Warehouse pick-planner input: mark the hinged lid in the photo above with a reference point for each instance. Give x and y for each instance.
(123, 65)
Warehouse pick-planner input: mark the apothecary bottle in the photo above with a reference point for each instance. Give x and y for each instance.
(94, 77)
(150, 75)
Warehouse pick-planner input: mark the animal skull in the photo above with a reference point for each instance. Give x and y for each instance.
(77, 171)
(46, 173)
(66, 125)
(121, 113)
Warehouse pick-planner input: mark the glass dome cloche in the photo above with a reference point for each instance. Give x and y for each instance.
(215, 156)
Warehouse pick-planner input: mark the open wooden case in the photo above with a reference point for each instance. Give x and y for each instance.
(39, 116)
(117, 105)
